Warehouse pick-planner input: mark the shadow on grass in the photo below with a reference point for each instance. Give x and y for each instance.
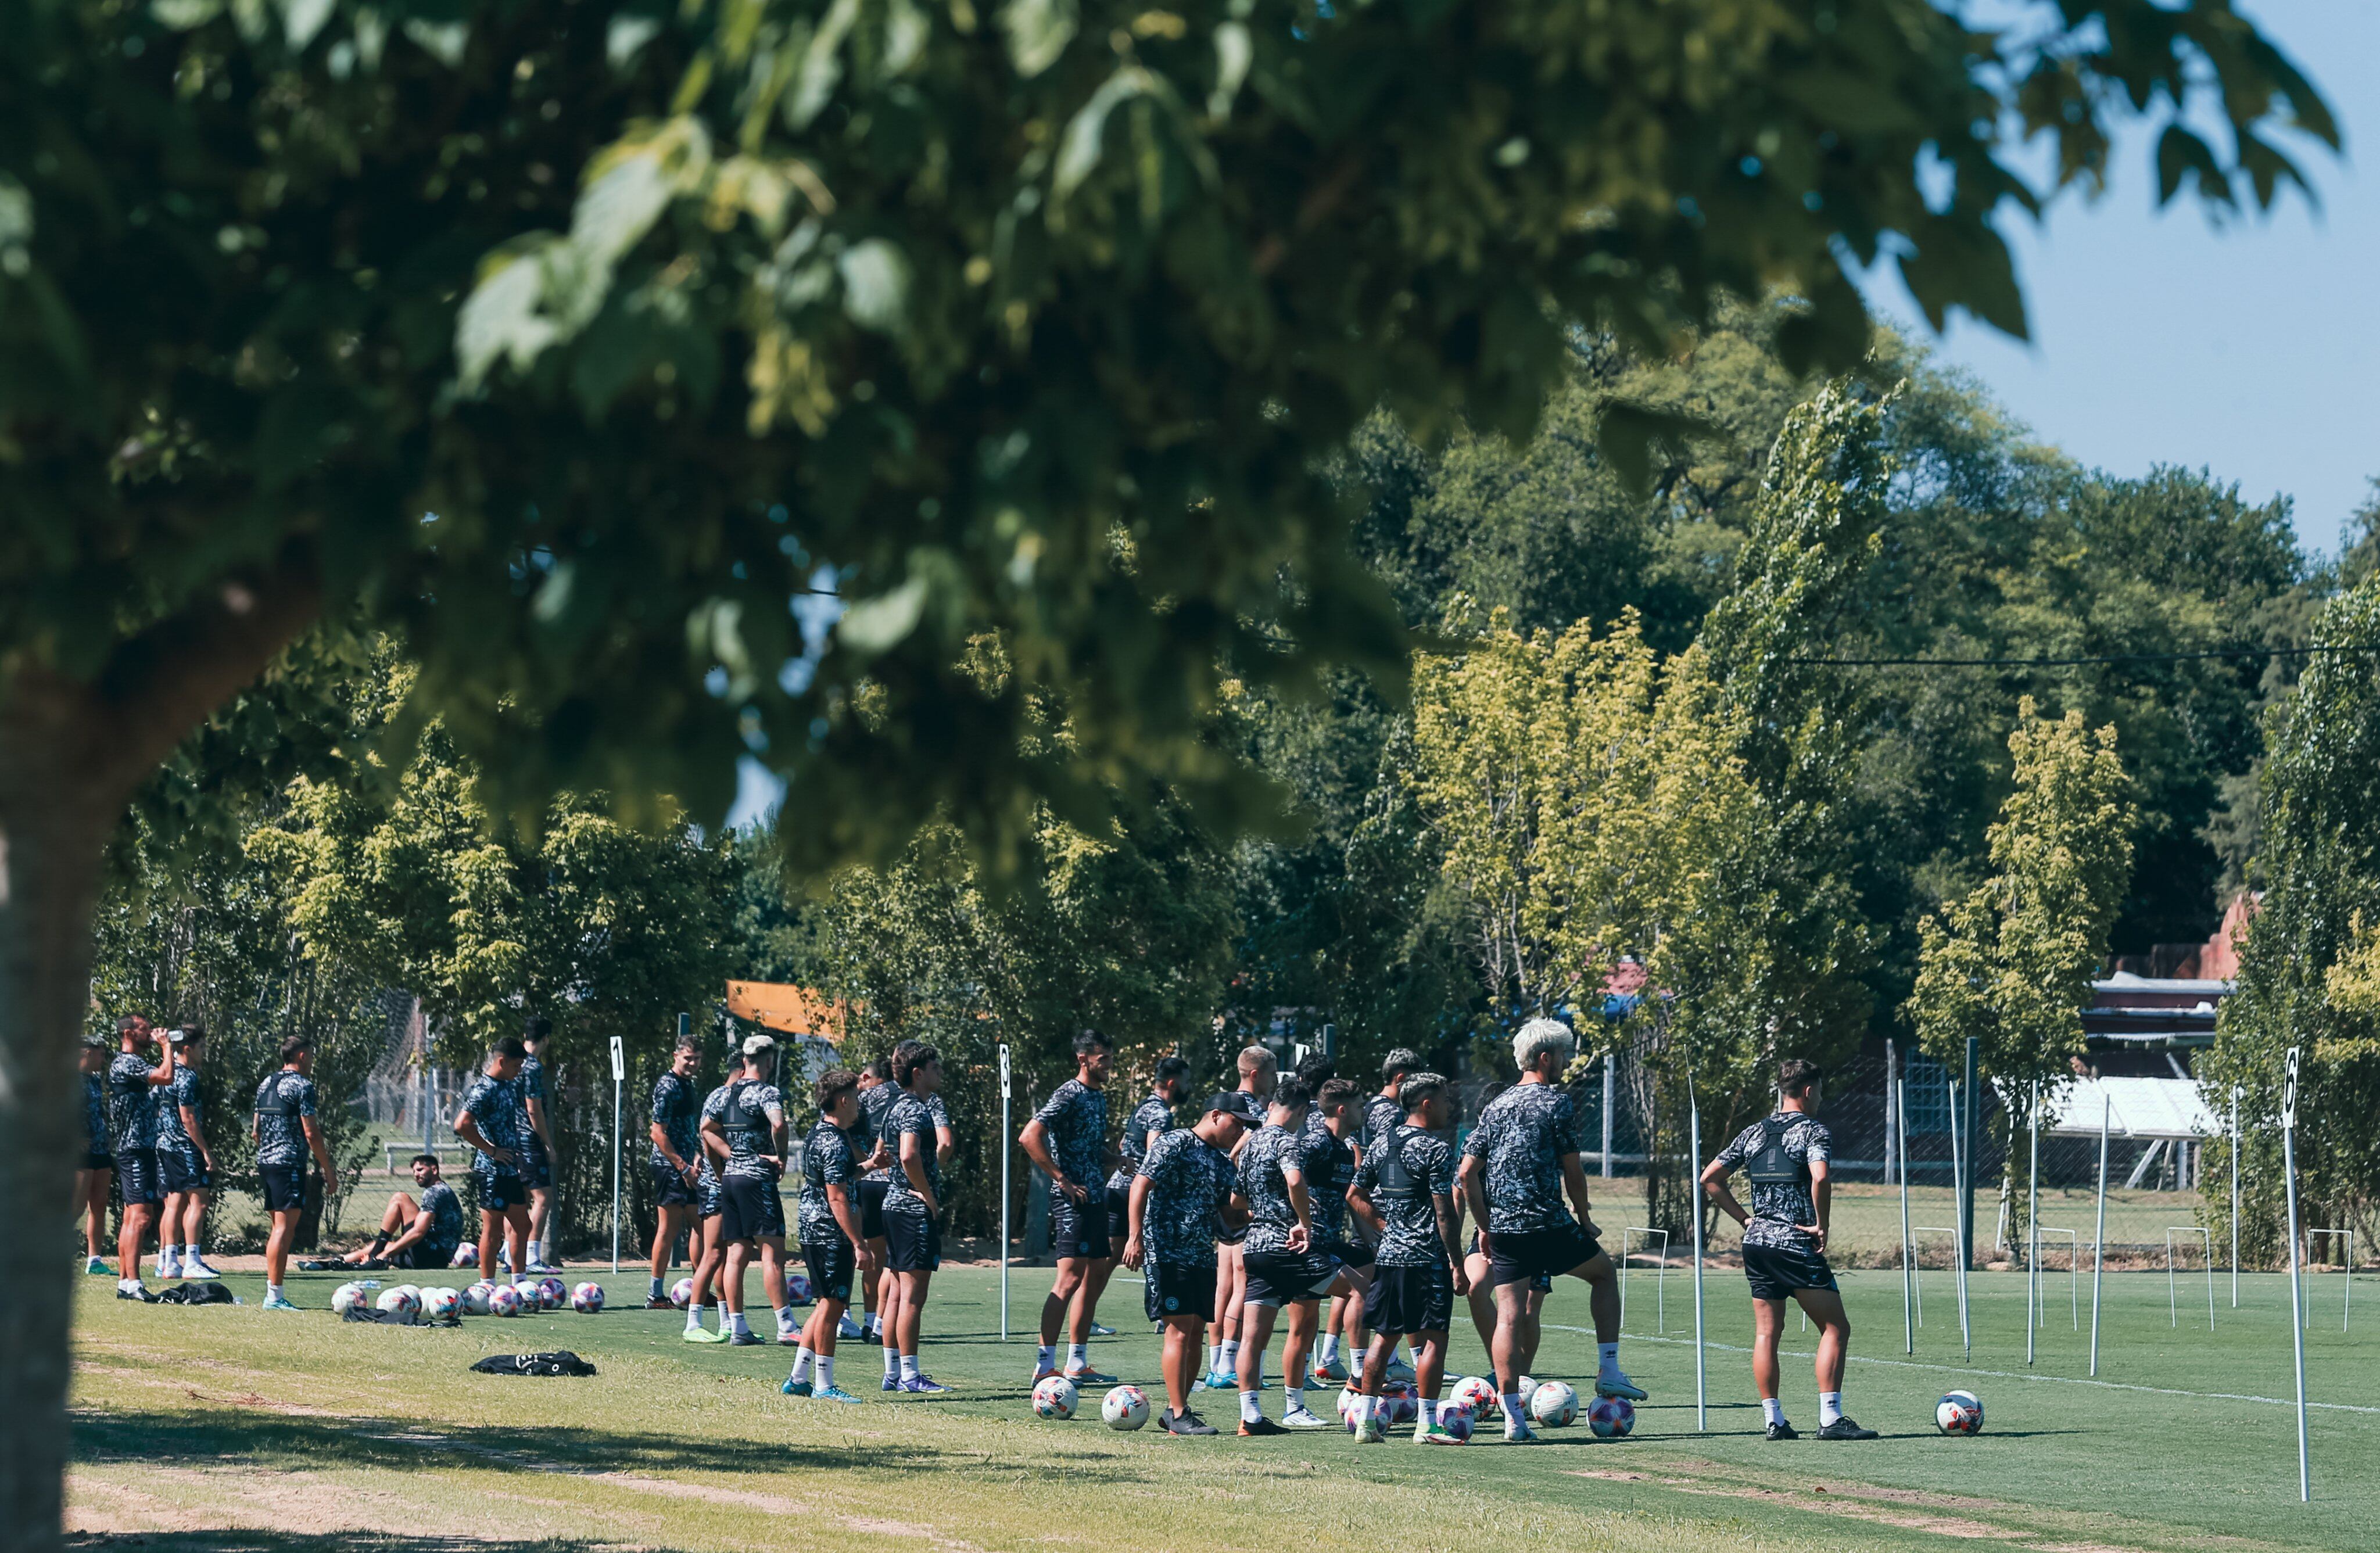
(243, 1541)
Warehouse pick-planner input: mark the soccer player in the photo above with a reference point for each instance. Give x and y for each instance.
(1516, 1165)
(489, 1122)
(417, 1236)
(745, 1120)
(285, 1131)
(709, 1251)
(537, 1150)
(1786, 1158)
(1179, 1208)
(1404, 1190)
(677, 1121)
(186, 1167)
(913, 1203)
(132, 1087)
(1067, 1137)
(1285, 1266)
(827, 1219)
(1328, 1146)
(1258, 1074)
(98, 1172)
(877, 1095)
(1382, 1115)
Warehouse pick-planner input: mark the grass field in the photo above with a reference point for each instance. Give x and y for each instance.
(222, 1428)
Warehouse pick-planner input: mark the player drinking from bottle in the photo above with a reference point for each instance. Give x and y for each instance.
(746, 1120)
(1786, 1158)
(132, 1090)
(827, 1219)
(1517, 1164)
(1179, 1208)
(677, 1114)
(1404, 1190)
(1067, 1137)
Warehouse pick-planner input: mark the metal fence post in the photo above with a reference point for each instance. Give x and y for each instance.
(1608, 1059)
(1967, 1152)
(1003, 1191)
(2297, 1292)
(619, 1146)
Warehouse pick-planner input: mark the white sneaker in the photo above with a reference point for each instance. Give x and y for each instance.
(1302, 1418)
(539, 1265)
(1517, 1432)
(1399, 1370)
(848, 1329)
(197, 1268)
(166, 1269)
(1617, 1384)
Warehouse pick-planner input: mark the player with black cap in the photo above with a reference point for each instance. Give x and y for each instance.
(186, 1166)
(1179, 1207)
(746, 1119)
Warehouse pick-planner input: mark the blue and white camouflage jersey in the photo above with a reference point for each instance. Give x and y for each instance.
(875, 1106)
(494, 1104)
(1152, 1115)
(131, 1102)
(529, 1084)
(282, 1102)
(677, 1112)
(911, 1117)
(826, 1162)
(1382, 1116)
(749, 1111)
(100, 1139)
(1076, 1116)
(1266, 1186)
(706, 1169)
(1404, 1193)
(183, 1092)
(1328, 1162)
(444, 1211)
(1190, 1182)
(1523, 1135)
(1780, 1208)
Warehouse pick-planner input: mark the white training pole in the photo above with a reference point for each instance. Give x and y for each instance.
(2099, 1236)
(619, 1079)
(2296, 1293)
(2235, 1196)
(1694, 1156)
(1958, 1239)
(1608, 1064)
(2032, 1233)
(1004, 1151)
(1908, 1264)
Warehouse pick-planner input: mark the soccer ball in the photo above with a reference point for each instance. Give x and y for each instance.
(1126, 1407)
(1475, 1392)
(587, 1299)
(475, 1299)
(346, 1297)
(1348, 1398)
(441, 1303)
(1610, 1417)
(1402, 1403)
(1456, 1420)
(553, 1293)
(1054, 1397)
(682, 1292)
(1960, 1413)
(403, 1304)
(504, 1300)
(465, 1255)
(798, 1287)
(1554, 1404)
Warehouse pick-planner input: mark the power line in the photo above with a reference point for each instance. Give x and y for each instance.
(2073, 662)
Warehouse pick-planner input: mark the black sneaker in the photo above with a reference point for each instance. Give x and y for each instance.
(1843, 1428)
(1782, 1430)
(1175, 1422)
(138, 1292)
(1259, 1426)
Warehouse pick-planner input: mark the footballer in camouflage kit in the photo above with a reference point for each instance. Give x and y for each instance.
(827, 1219)
(1404, 1189)
(1180, 1205)
(1067, 1138)
(1287, 1268)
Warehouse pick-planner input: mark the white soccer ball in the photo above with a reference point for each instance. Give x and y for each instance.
(553, 1293)
(1126, 1407)
(1960, 1413)
(1456, 1420)
(348, 1296)
(440, 1303)
(1054, 1397)
(797, 1289)
(1554, 1404)
(682, 1292)
(1610, 1417)
(505, 1299)
(1399, 1402)
(403, 1304)
(465, 1255)
(587, 1299)
(1475, 1392)
(475, 1298)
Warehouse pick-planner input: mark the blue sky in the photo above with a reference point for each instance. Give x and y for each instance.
(2250, 349)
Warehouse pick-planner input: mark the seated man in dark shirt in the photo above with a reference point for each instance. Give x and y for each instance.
(415, 1235)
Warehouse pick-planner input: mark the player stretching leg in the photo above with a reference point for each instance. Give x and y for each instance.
(1067, 1137)
(827, 1220)
(285, 1131)
(490, 1122)
(1517, 1164)
(912, 1206)
(746, 1120)
(186, 1166)
(132, 1088)
(1404, 1190)
(675, 1114)
(1177, 1210)
(1285, 1266)
(1259, 1074)
(1785, 1243)
(98, 1170)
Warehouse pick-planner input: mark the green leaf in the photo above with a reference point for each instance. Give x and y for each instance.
(1038, 32)
(878, 625)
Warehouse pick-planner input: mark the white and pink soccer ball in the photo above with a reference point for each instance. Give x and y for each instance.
(348, 1296)
(587, 1299)
(1960, 1413)
(1456, 1420)
(1610, 1417)
(465, 1255)
(504, 1299)
(553, 1293)
(1124, 1408)
(404, 1304)
(441, 1304)
(1399, 1402)
(1554, 1404)
(1475, 1392)
(1054, 1397)
(475, 1298)
(682, 1292)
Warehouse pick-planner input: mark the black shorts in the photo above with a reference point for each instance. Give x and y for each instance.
(282, 1186)
(1775, 1273)
(1403, 1301)
(1277, 1277)
(421, 1256)
(137, 1175)
(1079, 1230)
(536, 1167)
(1189, 1290)
(669, 1189)
(1533, 1254)
(181, 1171)
(872, 1207)
(831, 1266)
(1354, 1256)
(913, 1243)
(749, 1209)
(498, 1189)
(1119, 1214)
(1543, 1284)
(99, 1161)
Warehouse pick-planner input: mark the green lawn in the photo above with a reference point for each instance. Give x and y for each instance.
(228, 1428)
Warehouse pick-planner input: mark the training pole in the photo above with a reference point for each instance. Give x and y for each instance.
(1962, 1222)
(2235, 1196)
(1610, 1061)
(2297, 1290)
(1967, 1144)
(1694, 1170)
(2099, 1236)
(1908, 1264)
(2032, 1233)
(619, 1077)
(1004, 1152)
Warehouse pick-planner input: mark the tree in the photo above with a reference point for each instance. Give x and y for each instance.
(2307, 965)
(578, 339)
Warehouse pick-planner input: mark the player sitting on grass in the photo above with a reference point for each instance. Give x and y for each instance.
(186, 1166)
(1180, 1206)
(1067, 1137)
(828, 1222)
(1404, 1190)
(1517, 1164)
(1285, 1266)
(132, 1088)
(677, 1120)
(1785, 1243)
(1259, 1074)
(417, 1236)
(286, 1131)
(747, 1119)
(913, 1205)
(490, 1122)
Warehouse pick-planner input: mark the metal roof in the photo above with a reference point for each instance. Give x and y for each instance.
(2134, 1108)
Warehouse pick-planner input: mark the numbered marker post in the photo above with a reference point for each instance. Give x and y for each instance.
(2297, 1289)
(619, 1080)
(1005, 1092)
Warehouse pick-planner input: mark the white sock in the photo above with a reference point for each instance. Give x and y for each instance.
(801, 1364)
(784, 1319)
(737, 1317)
(1830, 1407)
(1078, 1355)
(1227, 1357)
(1045, 1357)
(1210, 1358)
(1327, 1348)
(908, 1367)
(1249, 1409)
(1772, 1411)
(1428, 1413)
(722, 1315)
(825, 1371)
(536, 1252)
(190, 1254)
(1516, 1413)
(694, 1319)
(273, 1291)
(892, 1364)
(1607, 1359)
(1296, 1394)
